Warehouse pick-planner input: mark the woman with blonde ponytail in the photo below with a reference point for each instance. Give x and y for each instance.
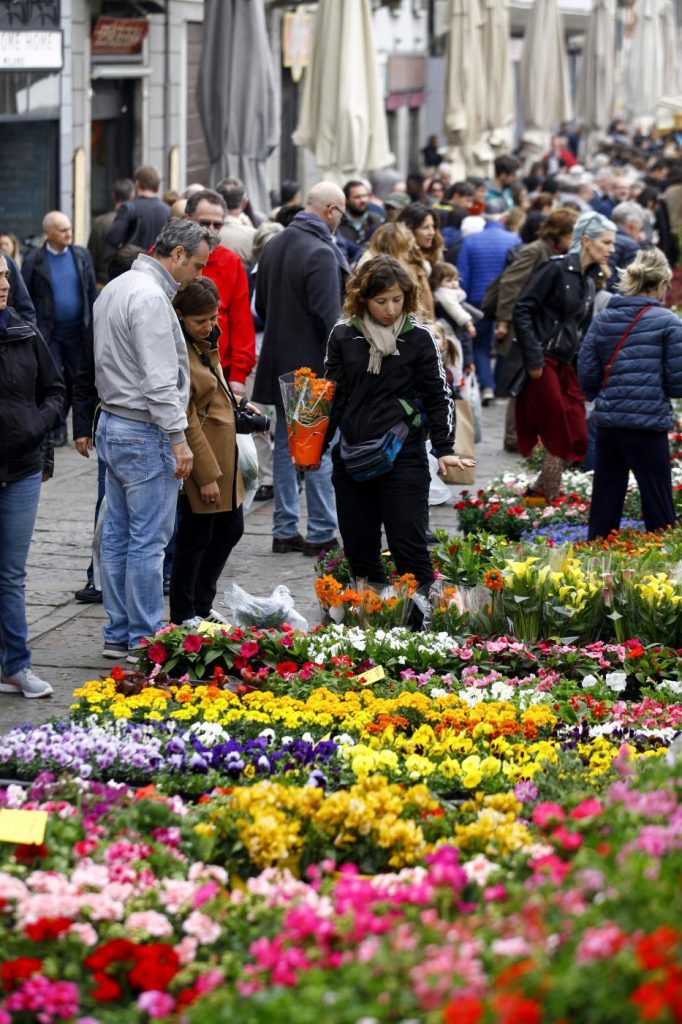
(631, 363)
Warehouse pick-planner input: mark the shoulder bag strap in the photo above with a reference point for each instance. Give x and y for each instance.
(620, 344)
(222, 383)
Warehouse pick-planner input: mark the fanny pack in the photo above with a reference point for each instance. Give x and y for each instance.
(373, 458)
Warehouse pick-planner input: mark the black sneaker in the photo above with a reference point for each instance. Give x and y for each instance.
(284, 545)
(89, 594)
(166, 585)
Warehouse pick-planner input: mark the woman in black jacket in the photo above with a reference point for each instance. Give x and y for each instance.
(31, 402)
(386, 366)
(631, 364)
(550, 319)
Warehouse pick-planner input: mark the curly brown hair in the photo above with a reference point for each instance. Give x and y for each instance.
(373, 277)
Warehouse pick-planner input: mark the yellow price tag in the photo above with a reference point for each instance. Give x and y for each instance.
(211, 628)
(372, 675)
(23, 827)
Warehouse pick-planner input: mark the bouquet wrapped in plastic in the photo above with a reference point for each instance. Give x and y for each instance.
(307, 404)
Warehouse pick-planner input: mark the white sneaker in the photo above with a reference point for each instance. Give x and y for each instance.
(214, 616)
(192, 623)
(487, 396)
(27, 682)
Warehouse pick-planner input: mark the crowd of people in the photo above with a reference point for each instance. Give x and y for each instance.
(166, 338)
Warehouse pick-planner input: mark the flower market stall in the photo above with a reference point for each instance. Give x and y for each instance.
(479, 823)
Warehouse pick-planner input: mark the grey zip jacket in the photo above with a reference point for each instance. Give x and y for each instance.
(141, 364)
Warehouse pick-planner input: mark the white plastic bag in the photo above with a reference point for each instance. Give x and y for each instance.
(472, 393)
(265, 612)
(248, 467)
(439, 492)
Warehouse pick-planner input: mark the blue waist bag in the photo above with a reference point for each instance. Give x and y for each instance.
(376, 457)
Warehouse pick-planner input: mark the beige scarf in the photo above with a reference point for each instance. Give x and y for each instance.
(382, 340)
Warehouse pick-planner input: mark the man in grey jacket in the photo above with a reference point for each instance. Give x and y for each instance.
(142, 378)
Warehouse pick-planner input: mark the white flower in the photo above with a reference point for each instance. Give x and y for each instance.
(616, 681)
(589, 681)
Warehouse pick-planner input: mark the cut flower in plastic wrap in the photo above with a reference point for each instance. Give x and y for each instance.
(307, 404)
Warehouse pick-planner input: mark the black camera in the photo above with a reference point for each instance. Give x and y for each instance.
(247, 422)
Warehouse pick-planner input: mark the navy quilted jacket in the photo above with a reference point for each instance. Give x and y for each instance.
(646, 373)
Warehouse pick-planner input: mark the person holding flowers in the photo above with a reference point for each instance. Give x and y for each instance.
(386, 368)
(210, 517)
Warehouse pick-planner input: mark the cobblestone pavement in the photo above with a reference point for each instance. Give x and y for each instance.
(66, 636)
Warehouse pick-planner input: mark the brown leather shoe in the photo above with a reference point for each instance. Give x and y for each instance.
(284, 545)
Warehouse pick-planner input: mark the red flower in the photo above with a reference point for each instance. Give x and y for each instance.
(157, 653)
(464, 1010)
(658, 948)
(47, 929)
(286, 668)
(117, 674)
(192, 643)
(517, 1009)
(14, 971)
(106, 989)
(187, 997)
(114, 951)
(157, 964)
(27, 853)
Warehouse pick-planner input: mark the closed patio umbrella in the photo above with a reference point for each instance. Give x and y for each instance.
(652, 64)
(465, 86)
(545, 96)
(236, 94)
(594, 105)
(499, 94)
(342, 118)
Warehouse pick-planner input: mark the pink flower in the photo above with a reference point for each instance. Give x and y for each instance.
(209, 980)
(249, 650)
(600, 943)
(192, 643)
(204, 893)
(569, 840)
(587, 809)
(156, 1004)
(149, 921)
(187, 948)
(547, 813)
(202, 927)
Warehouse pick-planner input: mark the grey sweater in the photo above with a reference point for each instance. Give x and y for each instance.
(141, 365)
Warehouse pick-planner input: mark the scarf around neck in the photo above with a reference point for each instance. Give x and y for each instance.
(382, 340)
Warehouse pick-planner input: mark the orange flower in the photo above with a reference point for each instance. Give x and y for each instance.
(493, 579)
(328, 591)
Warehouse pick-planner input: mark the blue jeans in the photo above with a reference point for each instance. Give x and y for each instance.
(101, 477)
(318, 491)
(483, 343)
(18, 508)
(142, 496)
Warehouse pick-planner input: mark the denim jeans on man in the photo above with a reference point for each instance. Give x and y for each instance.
(142, 496)
(483, 345)
(18, 508)
(318, 491)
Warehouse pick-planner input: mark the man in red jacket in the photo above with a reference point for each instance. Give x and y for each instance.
(237, 335)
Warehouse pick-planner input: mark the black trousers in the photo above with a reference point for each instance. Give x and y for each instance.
(647, 454)
(400, 500)
(66, 342)
(203, 543)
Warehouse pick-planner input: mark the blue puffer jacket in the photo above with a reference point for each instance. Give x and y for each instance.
(646, 373)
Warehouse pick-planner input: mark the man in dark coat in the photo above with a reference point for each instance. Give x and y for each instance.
(60, 278)
(299, 290)
(139, 221)
(629, 220)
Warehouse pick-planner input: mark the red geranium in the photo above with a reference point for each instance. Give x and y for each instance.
(513, 1008)
(114, 951)
(192, 643)
(106, 989)
(464, 1010)
(658, 948)
(47, 929)
(157, 653)
(14, 971)
(286, 668)
(156, 966)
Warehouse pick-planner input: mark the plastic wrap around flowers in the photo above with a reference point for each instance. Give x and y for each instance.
(307, 404)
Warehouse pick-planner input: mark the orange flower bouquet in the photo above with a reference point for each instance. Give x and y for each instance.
(307, 405)
(363, 605)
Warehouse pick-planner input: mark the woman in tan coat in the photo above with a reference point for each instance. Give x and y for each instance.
(210, 517)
